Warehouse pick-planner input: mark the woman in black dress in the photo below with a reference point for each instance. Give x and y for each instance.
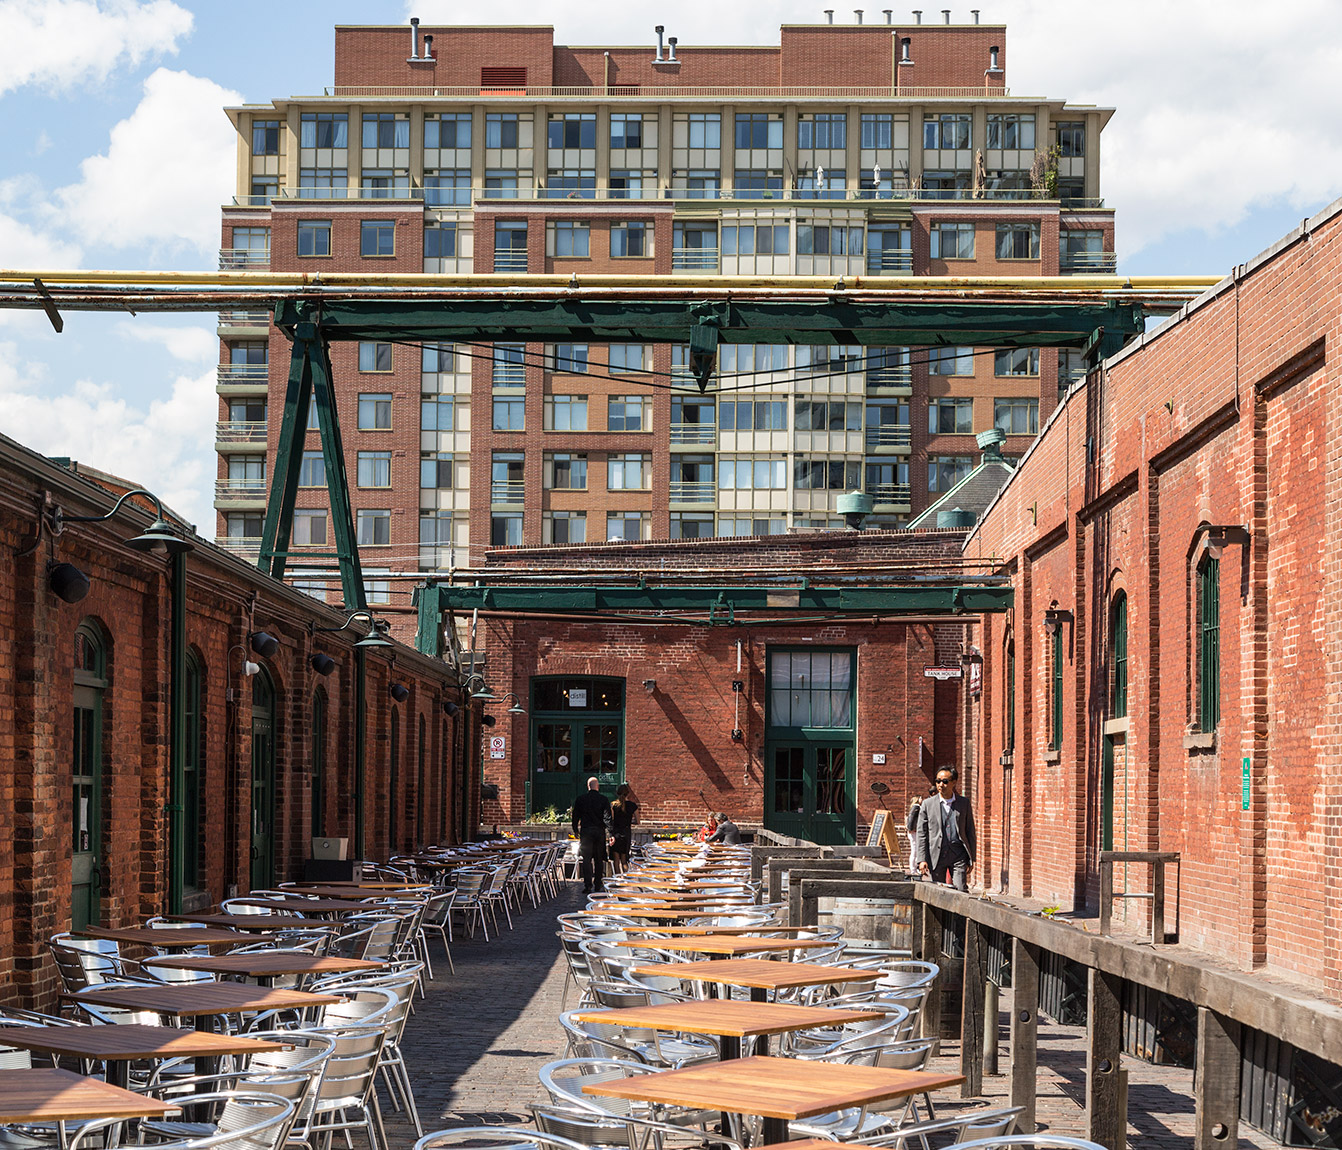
(624, 814)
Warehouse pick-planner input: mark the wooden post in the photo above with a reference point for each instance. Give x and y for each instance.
(991, 1020)
(971, 1009)
(931, 951)
(1106, 894)
(1158, 905)
(1105, 1123)
(1024, 1031)
(1217, 1076)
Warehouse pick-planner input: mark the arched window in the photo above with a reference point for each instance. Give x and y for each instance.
(317, 763)
(1118, 657)
(1209, 643)
(263, 780)
(86, 771)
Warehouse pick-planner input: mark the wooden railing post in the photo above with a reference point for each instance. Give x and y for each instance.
(1105, 1121)
(1024, 1031)
(1218, 1078)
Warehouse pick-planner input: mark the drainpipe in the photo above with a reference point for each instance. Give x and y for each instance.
(176, 732)
(360, 734)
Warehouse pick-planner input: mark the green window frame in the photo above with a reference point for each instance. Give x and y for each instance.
(1055, 711)
(1209, 643)
(1118, 657)
(1009, 703)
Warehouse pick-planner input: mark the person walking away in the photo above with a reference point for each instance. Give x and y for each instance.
(727, 833)
(592, 824)
(946, 841)
(624, 814)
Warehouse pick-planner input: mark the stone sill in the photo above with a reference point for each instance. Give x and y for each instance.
(1200, 741)
(1052, 756)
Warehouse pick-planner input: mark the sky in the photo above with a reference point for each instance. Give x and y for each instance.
(119, 157)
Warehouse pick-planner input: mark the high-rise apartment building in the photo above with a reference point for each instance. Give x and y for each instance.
(845, 150)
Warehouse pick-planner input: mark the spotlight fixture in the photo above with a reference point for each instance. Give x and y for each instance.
(399, 691)
(1219, 538)
(1054, 617)
(450, 708)
(487, 720)
(67, 582)
(650, 685)
(264, 644)
(249, 668)
(322, 663)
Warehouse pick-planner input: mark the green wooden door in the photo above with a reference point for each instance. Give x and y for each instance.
(85, 864)
(577, 731)
(263, 781)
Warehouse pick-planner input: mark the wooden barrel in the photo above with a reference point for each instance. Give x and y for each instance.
(870, 923)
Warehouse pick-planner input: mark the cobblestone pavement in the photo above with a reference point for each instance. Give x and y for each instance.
(475, 1044)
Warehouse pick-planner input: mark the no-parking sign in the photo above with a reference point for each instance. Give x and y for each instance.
(498, 746)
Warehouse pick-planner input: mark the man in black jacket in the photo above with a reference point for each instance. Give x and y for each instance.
(592, 824)
(727, 833)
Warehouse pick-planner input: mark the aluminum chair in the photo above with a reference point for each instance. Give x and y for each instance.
(980, 1123)
(438, 920)
(470, 899)
(494, 1138)
(346, 1096)
(1029, 1142)
(627, 1132)
(588, 1039)
(247, 1120)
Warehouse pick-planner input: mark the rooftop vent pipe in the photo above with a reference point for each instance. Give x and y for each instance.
(858, 13)
(917, 15)
(946, 12)
(671, 42)
(975, 13)
(889, 15)
(657, 59)
(829, 15)
(905, 51)
(414, 37)
(428, 46)
(992, 59)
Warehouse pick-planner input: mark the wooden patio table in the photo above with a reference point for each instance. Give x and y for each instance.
(314, 905)
(652, 914)
(202, 1001)
(778, 1090)
(358, 893)
(267, 964)
(43, 1095)
(729, 1019)
(261, 922)
(723, 946)
(761, 975)
(173, 938)
(118, 1046)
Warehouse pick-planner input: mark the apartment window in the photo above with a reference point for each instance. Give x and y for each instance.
(314, 237)
(572, 130)
(450, 186)
(827, 415)
(626, 357)
(1056, 657)
(826, 474)
(1118, 657)
(702, 184)
(510, 415)
(1016, 416)
(309, 527)
(435, 471)
(696, 472)
(751, 358)
(947, 130)
(627, 183)
(263, 189)
(243, 524)
(705, 130)
(824, 130)
(753, 415)
(265, 137)
(323, 130)
(629, 413)
(821, 240)
(1017, 241)
(375, 412)
(566, 413)
(570, 183)
(945, 471)
(505, 530)
(887, 480)
(627, 525)
(877, 130)
(322, 183)
(628, 473)
(506, 477)
(436, 358)
(374, 527)
(510, 246)
(500, 184)
(1023, 361)
(950, 417)
(385, 130)
(437, 415)
(509, 366)
(377, 238)
(950, 361)
(565, 472)
(824, 359)
(501, 130)
(1209, 643)
(374, 469)
(630, 240)
(756, 183)
(449, 130)
(952, 241)
(1071, 369)
(626, 130)
(1011, 130)
(692, 420)
(569, 357)
(312, 470)
(691, 525)
(757, 474)
(562, 527)
(565, 239)
(1083, 249)
(1072, 137)
(251, 353)
(730, 528)
(374, 356)
(247, 469)
(377, 590)
(385, 183)
(888, 423)
(756, 239)
(758, 130)
(825, 184)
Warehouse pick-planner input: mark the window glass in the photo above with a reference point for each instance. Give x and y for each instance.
(377, 238)
(374, 412)
(314, 237)
(373, 527)
(374, 356)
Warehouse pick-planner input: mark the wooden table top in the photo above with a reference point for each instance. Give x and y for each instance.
(786, 1088)
(266, 963)
(60, 1096)
(653, 915)
(131, 1041)
(173, 938)
(722, 944)
(264, 922)
(192, 999)
(728, 1017)
(728, 930)
(686, 904)
(314, 905)
(357, 893)
(762, 973)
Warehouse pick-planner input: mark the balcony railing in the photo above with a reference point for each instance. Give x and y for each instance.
(687, 491)
(244, 319)
(895, 435)
(244, 546)
(510, 261)
(241, 488)
(510, 375)
(507, 491)
(238, 431)
(1088, 261)
(694, 433)
(244, 372)
(889, 262)
(694, 259)
(664, 92)
(894, 375)
(899, 493)
(243, 259)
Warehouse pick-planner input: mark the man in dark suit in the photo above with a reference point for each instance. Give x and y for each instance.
(592, 822)
(945, 844)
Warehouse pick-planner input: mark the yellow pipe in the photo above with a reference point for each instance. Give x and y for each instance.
(492, 282)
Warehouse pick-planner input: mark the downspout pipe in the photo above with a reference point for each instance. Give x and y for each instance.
(176, 732)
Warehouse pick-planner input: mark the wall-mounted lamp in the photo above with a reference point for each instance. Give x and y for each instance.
(264, 644)
(516, 708)
(376, 636)
(650, 685)
(67, 582)
(973, 655)
(158, 537)
(1219, 538)
(1054, 618)
(249, 668)
(399, 691)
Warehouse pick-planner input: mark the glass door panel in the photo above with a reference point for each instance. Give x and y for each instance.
(86, 832)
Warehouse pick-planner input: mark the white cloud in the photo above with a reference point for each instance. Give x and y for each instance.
(26, 247)
(191, 344)
(59, 44)
(168, 167)
(166, 445)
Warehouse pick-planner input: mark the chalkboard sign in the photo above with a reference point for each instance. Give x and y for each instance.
(878, 820)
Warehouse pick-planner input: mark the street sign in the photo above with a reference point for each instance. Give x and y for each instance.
(941, 674)
(498, 746)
